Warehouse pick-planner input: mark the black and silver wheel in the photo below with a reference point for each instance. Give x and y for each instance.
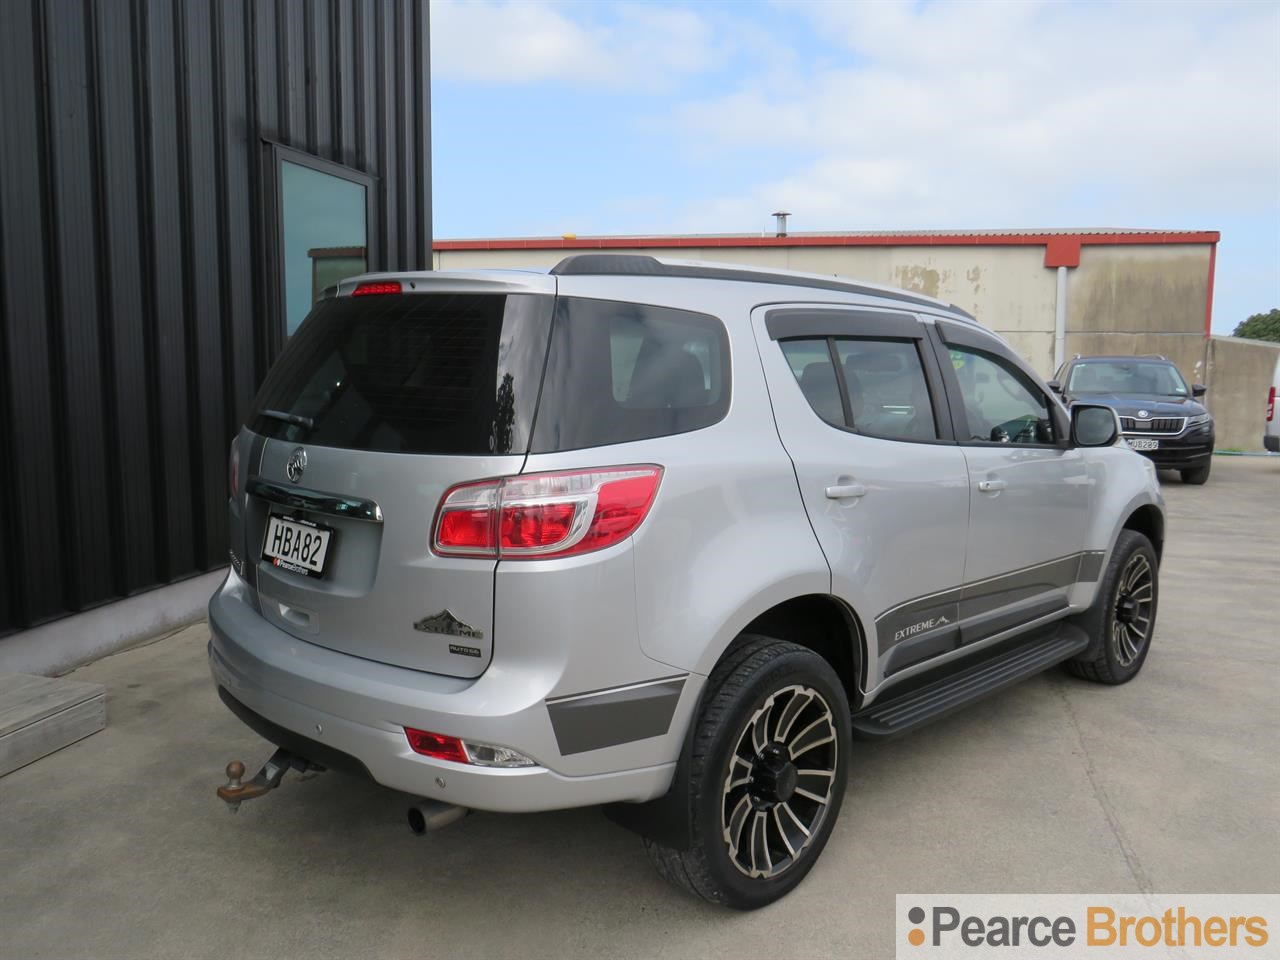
(1133, 612)
(1123, 617)
(778, 788)
(767, 775)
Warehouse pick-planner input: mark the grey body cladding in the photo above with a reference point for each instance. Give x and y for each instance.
(606, 718)
(928, 626)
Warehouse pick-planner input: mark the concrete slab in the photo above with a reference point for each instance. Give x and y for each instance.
(116, 846)
(39, 716)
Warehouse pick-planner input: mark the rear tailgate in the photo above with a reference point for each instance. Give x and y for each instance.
(377, 407)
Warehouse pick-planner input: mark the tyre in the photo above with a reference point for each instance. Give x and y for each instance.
(1123, 616)
(1197, 476)
(768, 768)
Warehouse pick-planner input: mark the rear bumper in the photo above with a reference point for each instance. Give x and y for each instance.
(296, 692)
(1272, 443)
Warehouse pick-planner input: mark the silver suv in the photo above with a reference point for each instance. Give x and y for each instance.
(663, 536)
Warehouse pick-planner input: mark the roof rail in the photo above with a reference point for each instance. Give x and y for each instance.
(1154, 356)
(642, 265)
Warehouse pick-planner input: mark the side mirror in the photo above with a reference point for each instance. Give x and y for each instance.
(1199, 389)
(1055, 386)
(1094, 425)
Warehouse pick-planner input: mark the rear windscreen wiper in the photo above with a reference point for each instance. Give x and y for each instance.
(288, 418)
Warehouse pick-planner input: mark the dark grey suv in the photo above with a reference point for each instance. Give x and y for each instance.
(1160, 415)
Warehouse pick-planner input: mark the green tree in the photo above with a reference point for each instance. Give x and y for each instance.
(1261, 326)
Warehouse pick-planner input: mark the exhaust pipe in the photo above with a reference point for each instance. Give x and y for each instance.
(428, 815)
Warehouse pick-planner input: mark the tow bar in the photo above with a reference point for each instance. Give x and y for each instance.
(264, 781)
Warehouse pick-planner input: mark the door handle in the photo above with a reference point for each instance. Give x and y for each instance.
(990, 486)
(846, 491)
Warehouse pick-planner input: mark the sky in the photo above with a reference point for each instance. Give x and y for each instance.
(705, 117)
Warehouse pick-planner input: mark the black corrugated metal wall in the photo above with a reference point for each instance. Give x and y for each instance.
(138, 309)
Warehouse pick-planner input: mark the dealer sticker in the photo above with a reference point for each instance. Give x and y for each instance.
(940, 926)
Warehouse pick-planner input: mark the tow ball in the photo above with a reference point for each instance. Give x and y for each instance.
(264, 781)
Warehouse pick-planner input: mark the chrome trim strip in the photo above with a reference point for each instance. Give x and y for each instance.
(315, 501)
(1131, 432)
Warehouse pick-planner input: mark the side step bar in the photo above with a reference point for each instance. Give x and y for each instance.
(897, 715)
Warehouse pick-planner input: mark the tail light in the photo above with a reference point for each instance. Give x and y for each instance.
(1271, 405)
(234, 468)
(541, 515)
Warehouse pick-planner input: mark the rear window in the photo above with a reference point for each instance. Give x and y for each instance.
(624, 371)
(415, 373)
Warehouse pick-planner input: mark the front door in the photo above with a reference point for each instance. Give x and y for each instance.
(1029, 490)
(858, 400)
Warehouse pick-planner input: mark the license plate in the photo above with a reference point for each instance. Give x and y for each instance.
(296, 545)
(1141, 443)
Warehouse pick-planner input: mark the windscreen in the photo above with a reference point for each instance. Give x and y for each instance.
(1120, 376)
(411, 373)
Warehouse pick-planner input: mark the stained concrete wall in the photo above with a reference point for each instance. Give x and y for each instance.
(1138, 299)
(1007, 288)
(1239, 377)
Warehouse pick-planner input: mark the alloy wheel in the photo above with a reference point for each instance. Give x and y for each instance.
(1131, 623)
(777, 789)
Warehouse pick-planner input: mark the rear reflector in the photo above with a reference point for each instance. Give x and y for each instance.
(442, 747)
(436, 745)
(541, 515)
(376, 287)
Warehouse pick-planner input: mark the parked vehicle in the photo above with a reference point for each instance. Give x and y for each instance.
(662, 536)
(1160, 415)
(1271, 432)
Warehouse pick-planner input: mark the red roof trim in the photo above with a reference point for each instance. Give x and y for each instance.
(1060, 243)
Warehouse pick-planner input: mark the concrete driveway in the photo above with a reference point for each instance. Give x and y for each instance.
(116, 846)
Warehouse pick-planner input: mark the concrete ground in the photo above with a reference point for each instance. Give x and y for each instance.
(117, 847)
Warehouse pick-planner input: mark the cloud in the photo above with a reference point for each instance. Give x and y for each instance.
(1010, 114)
(641, 46)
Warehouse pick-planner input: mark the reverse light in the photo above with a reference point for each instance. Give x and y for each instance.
(376, 287)
(442, 747)
(542, 515)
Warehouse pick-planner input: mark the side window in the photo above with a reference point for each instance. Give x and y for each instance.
(1001, 404)
(618, 372)
(810, 362)
(888, 393)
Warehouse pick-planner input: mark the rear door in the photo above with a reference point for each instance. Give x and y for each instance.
(378, 405)
(860, 408)
(1029, 489)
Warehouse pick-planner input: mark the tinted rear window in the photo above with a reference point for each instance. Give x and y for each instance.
(625, 371)
(415, 373)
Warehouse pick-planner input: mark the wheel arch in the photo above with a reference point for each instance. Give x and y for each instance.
(824, 624)
(839, 639)
(1148, 520)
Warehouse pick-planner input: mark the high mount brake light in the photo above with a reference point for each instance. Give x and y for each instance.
(541, 515)
(376, 287)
